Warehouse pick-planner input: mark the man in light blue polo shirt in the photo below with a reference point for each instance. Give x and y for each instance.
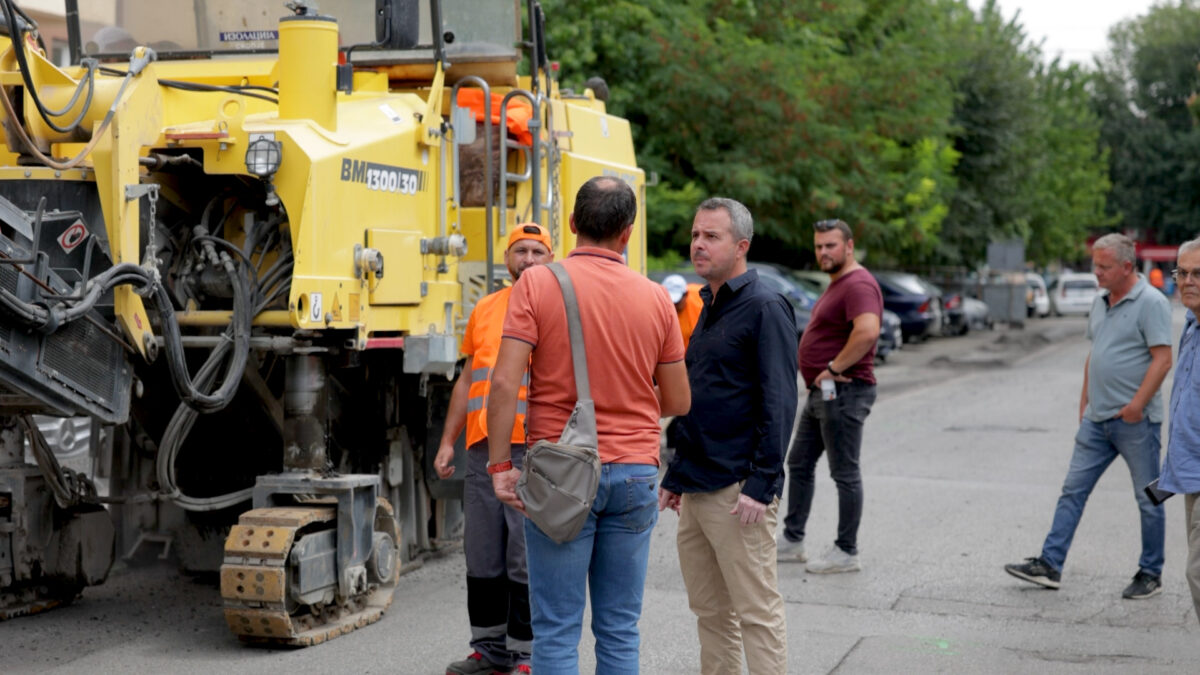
(1120, 413)
(1181, 468)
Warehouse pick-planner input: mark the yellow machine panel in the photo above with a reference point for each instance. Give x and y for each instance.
(404, 250)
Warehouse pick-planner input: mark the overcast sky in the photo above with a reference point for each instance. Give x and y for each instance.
(1076, 29)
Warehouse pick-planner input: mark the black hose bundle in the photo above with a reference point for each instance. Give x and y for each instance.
(44, 317)
(68, 487)
(89, 79)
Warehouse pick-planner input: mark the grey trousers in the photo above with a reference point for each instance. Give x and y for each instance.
(1191, 505)
(497, 577)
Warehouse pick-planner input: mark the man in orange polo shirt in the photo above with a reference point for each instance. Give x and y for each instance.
(633, 339)
(494, 535)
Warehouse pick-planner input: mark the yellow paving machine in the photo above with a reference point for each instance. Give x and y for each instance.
(243, 238)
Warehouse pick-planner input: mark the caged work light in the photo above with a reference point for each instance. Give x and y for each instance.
(263, 156)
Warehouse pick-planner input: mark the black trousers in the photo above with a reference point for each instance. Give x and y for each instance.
(836, 428)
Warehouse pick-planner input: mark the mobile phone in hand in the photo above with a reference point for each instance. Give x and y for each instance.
(1156, 495)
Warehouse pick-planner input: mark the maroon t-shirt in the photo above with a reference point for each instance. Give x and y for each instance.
(852, 294)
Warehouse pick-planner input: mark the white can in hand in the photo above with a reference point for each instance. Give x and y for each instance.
(828, 390)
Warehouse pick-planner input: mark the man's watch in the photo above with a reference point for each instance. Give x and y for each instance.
(832, 371)
(500, 467)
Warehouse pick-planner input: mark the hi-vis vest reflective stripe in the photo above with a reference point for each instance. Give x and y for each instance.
(479, 403)
(486, 328)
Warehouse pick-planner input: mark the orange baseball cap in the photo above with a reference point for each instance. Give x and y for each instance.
(530, 231)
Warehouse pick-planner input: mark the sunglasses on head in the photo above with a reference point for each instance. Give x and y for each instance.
(826, 225)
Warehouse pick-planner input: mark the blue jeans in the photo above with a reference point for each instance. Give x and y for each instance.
(1096, 446)
(609, 556)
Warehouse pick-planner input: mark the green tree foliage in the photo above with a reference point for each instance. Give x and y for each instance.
(1031, 167)
(994, 119)
(1069, 177)
(1141, 95)
(906, 118)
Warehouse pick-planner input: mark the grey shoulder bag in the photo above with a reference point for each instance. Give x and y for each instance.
(559, 481)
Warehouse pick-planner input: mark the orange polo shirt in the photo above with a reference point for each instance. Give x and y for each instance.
(629, 328)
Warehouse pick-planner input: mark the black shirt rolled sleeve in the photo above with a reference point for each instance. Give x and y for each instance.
(741, 365)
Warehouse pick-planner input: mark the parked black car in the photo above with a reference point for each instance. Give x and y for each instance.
(801, 300)
(920, 315)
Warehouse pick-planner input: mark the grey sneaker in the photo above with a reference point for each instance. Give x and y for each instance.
(834, 561)
(1036, 571)
(787, 550)
(1145, 585)
(475, 664)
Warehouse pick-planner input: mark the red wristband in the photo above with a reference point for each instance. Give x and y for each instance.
(500, 467)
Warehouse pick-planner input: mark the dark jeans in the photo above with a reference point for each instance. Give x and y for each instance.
(835, 427)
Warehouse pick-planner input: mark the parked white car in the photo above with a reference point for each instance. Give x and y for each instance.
(1073, 293)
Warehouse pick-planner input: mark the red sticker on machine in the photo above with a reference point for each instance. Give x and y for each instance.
(73, 236)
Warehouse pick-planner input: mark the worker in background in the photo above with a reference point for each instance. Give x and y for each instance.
(687, 303)
(494, 534)
(1156, 277)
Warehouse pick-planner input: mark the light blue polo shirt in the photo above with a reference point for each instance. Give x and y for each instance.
(1122, 336)
(1181, 468)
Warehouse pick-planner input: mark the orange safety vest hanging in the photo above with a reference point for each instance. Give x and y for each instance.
(519, 112)
(482, 343)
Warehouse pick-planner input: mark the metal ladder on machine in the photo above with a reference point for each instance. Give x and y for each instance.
(532, 156)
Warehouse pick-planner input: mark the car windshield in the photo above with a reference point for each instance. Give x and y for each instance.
(905, 282)
(111, 28)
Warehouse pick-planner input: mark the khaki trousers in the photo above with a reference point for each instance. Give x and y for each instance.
(1191, 505)
(730, 574)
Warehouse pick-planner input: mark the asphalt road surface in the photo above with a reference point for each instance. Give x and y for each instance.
(964, 456)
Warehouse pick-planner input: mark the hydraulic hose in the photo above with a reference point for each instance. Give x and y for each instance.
(181, 425)
(40, 316)
(68, 487)
(18, 40)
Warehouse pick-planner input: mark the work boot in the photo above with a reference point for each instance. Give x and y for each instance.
(1036, 571)
(787, 550)
(1145, 585)
(475, 664)
(834, 561)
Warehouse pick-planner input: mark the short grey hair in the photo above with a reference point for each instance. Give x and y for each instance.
(1189, 246)
(739, 215)
(1121, 246)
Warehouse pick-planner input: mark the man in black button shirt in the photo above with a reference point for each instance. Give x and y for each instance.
(727, 474)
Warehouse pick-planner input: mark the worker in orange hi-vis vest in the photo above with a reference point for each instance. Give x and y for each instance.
(494, 534)
(687, 303)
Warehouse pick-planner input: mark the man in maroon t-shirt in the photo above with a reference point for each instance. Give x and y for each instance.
(838, 347)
